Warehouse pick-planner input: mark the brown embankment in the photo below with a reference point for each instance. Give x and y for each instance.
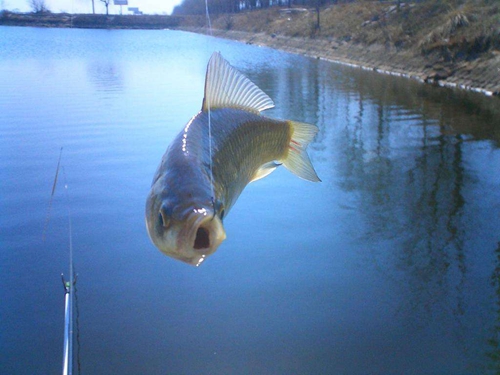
(449, 43)
(481, 74)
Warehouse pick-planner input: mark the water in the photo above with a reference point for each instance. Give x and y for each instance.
(391, 265)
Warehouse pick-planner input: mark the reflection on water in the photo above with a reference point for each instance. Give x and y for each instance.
(105, 76)
(494, 341)
(390, 265)
(417, 178)
(408, 153)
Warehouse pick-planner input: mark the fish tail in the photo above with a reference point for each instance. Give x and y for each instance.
(298, 161)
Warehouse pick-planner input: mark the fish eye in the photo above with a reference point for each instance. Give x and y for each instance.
(162, 220)
(219, 208)
(165, 215)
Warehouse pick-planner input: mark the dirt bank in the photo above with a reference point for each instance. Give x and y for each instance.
(482, 74)
(447, 43)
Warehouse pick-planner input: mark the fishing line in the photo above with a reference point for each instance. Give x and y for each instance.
(211, 166)
(209, 24)
(49, 208)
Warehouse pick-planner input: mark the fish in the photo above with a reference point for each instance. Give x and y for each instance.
(223, 148)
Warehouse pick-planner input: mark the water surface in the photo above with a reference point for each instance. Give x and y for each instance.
(391, 265)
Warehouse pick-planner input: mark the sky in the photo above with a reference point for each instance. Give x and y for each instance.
(85, 6)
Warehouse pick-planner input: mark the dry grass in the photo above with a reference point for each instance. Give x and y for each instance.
(448, 27)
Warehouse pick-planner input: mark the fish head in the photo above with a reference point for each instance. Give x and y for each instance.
(183, 226)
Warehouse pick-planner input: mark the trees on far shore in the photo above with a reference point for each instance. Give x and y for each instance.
(38, 6)
(106, 4)
(232, 6)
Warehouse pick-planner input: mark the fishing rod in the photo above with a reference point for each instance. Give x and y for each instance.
(70, 284)
(68, 326)
(69, 288)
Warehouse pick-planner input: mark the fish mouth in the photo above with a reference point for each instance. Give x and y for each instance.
(201, 236)
(202, 239)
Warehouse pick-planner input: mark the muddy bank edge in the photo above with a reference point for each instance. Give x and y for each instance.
(480, 75)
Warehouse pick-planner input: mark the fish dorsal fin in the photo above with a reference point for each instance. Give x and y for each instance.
(225, 87)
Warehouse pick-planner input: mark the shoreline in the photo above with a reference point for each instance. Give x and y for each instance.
(481, 76)
(477, 72)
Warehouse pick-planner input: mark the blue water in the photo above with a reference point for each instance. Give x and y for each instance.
(391, 265)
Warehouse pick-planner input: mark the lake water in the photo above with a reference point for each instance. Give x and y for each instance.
(391, 265)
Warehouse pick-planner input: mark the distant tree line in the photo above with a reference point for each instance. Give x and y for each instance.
(233, 6)
(38, 6)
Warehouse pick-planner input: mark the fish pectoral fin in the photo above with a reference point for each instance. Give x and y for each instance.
(226, 87)
(265, 170)
(298, 161)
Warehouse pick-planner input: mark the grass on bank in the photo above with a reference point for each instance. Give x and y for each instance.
(454, 29)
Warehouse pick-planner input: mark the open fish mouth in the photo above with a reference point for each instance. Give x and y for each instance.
(201, 236)
(202, 239)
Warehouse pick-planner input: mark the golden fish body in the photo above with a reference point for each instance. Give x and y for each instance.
(205, 168)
